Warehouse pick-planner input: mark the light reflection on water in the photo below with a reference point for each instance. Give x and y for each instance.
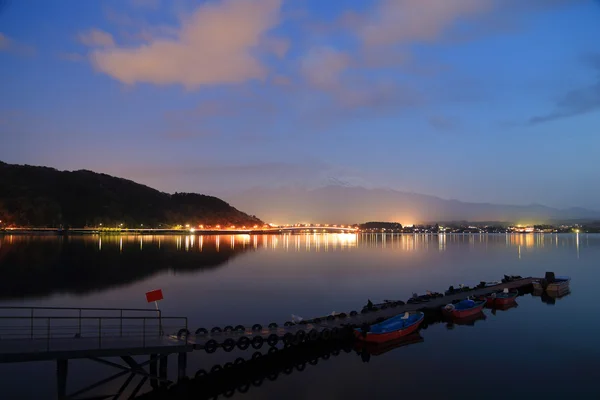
(243, 279)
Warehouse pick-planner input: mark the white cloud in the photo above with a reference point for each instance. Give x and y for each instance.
(216, 44)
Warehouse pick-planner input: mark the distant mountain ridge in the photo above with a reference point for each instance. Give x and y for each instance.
(42, 196)
(353, 204)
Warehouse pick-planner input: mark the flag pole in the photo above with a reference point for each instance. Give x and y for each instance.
(159, 318)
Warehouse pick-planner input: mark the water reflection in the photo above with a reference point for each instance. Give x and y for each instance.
(35, 266)
(80, 264)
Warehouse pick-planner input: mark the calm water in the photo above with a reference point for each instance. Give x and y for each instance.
(534, 350)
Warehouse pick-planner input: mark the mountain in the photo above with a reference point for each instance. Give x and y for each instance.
(350, 204)
(41, 196)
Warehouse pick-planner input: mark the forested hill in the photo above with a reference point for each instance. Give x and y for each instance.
(45, 197)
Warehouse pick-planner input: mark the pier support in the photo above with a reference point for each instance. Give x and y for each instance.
(153, 371)
(181, 366)
(162, 370)
(62, 368)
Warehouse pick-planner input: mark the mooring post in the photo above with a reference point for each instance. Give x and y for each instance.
(162, 369)
(181, 365)
(61, 378)
(153, 371)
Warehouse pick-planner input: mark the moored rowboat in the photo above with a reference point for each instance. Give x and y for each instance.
(390, 329)
(502, 298)
(464, 308)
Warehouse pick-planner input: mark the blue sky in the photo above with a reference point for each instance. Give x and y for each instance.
(477, 100)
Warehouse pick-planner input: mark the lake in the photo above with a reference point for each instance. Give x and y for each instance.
(539, 349)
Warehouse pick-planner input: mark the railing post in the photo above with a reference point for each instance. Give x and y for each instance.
(48, 334)
(80, 322)
(32, 323)
(99, 331)
(121, 324)
(144, 333)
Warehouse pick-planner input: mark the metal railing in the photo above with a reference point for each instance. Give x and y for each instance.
(85, 323)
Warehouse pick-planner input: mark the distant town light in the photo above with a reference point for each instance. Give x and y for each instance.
(187, 225)
(192, 230)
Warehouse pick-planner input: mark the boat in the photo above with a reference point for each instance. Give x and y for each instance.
(502, 298)
(464, 308)
(390, 329)
(552, 283)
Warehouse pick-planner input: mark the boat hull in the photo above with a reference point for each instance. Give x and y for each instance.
(457, 314)
(502, 301)
(557, 286)
(388, 336)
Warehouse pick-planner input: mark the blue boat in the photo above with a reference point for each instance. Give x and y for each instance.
(390, 329)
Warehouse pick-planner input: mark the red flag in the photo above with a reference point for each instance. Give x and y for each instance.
(154, 295)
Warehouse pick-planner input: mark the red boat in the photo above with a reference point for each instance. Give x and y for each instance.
(390, 329)
(502, 298)
(464, 308)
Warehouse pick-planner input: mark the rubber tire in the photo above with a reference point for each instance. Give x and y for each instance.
(353, 313)
(288, 338)
(257, 342)
(216, 329)
(229, 345)
(313, 335)
(201, 332)
(272, 340)
(200, 373)
(243, 343)
(211, 346)
(256, 327)
(273, 325)
(325, 334)
(228, 328)
(182, 332)
(240, 328)
(288, 323)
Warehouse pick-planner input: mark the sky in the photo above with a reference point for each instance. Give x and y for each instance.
(477, 100)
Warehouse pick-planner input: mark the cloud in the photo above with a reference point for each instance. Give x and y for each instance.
(11, 46)
(216, 44)
(277, 46)
(397, 21)
(322, 67)
(577, 101)
(96, 38)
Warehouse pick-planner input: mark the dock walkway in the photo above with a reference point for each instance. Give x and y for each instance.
(114, 343)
